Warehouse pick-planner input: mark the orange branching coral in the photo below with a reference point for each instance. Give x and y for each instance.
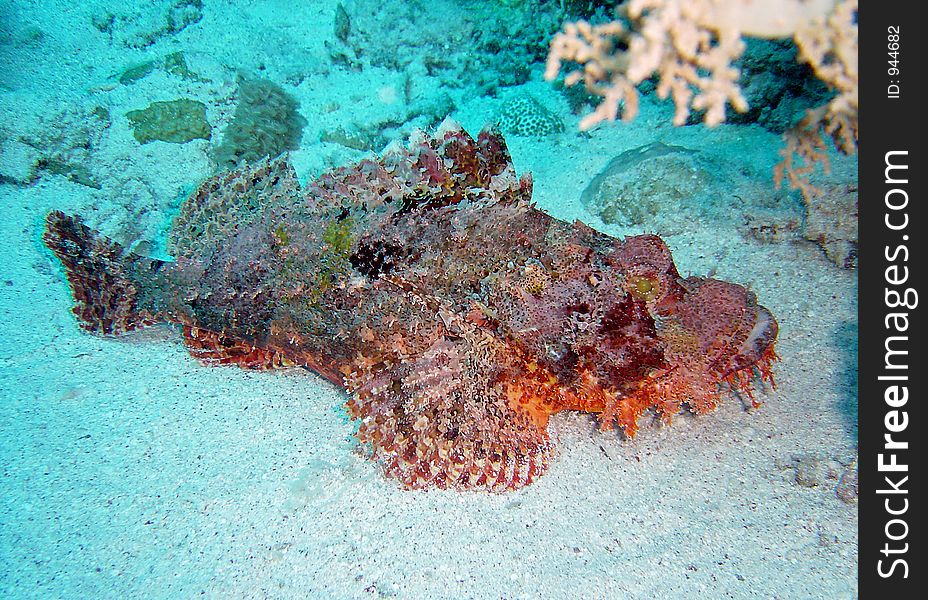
(829, 44)
(457, 316)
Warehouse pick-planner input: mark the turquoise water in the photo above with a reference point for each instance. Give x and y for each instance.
(131, 470)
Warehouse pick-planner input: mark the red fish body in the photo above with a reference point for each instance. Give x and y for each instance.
(457, 316)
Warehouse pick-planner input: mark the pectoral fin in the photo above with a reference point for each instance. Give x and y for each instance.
(212, 348)
(443, 419)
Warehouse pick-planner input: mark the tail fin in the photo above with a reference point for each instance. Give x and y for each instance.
(104, 276)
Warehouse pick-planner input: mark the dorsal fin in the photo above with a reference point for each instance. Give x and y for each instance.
(428, 172)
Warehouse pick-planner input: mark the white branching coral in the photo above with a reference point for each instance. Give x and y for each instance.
(690, 46)
(829, 44)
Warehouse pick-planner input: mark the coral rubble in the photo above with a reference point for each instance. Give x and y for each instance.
(831, 222)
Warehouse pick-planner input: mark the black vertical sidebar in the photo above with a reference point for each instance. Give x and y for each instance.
(892, 264)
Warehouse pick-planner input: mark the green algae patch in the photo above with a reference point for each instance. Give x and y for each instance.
(282, 236)
(338, 236)
(175, 121)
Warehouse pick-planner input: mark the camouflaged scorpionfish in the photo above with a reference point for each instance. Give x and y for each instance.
(458, 317)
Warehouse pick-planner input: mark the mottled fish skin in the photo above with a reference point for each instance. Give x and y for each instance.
(458, 316)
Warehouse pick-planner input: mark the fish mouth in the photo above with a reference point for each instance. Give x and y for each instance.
(758, 342)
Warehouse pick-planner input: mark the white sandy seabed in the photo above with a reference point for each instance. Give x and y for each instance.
(131, 471)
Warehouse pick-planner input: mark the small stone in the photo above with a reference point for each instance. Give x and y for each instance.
(785, 461)
(847, 486)
(103, 22)
(137, 72)
(831, 222)
(342, 23)
(810, 471)
(349, 138)
(833, 469)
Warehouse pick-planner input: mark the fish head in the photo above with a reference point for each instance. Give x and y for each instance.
(718, 330)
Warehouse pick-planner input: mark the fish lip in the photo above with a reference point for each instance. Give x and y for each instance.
(752, 349)
(764, 332)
